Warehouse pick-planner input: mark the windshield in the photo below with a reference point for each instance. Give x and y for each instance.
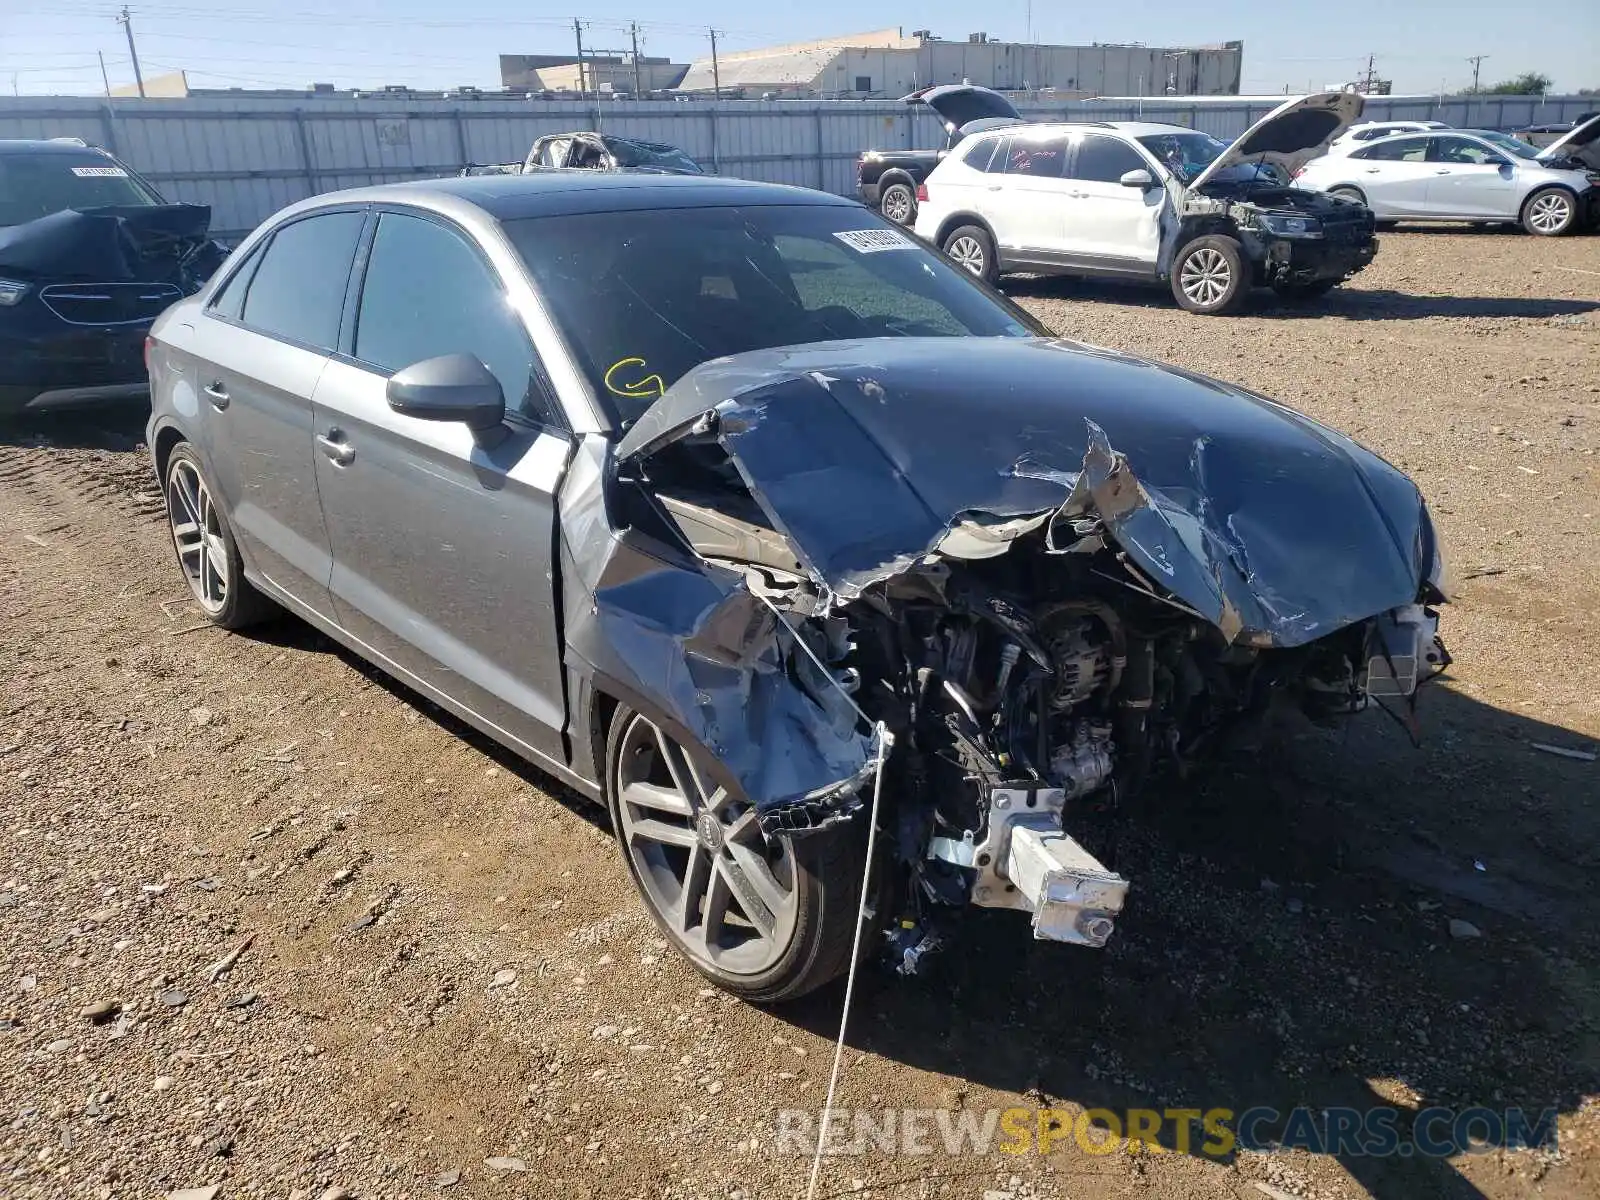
(643, 297)
(1184, 154)
(652, 154)
(1508, 143)
(36, 185)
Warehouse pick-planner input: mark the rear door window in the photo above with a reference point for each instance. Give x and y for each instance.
(978, 156)
(1400, 149)
(1039, 158)
(297, 292)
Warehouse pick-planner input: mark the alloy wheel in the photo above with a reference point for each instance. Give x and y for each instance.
(723, 892)
(1550, 213)
(1205, 276)
(965, 252)
(897, 205)
(197, 533)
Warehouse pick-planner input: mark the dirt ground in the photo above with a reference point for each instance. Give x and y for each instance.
(448, 965)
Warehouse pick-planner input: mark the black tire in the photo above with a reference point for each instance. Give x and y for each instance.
(898, 202)
(972, 249)
(821, 872)
(235, 604)
(1305, 291)
(1550, 212)
(1209, 275)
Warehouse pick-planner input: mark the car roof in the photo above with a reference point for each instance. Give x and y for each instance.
(47, 146)
(550, 193)
(1127, 128)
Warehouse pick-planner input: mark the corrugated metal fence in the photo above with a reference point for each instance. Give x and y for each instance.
(249, 157)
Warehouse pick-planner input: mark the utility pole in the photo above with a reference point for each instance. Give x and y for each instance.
(633, 32)
(1366, 85)
(104, 78)
(126, 21)
(577, 28)
(1477, 64)
(716, 72)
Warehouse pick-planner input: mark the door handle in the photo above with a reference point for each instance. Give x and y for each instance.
(994, 187)
(1372, 170)
(336, 448)
(1442, 171)
(217, 394)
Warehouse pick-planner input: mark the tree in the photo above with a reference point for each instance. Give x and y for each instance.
(1529, 83)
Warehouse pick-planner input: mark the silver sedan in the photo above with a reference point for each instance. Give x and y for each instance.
(1462, 175)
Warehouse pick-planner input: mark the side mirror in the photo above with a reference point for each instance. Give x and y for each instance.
(1138, 177)
(452, 387)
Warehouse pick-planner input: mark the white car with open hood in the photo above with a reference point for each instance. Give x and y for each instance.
(1470, 175)
(1155, 203)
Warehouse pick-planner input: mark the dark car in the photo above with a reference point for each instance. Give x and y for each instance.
(887, 180)
(1549, 134)
(751, 517)
(89, 255)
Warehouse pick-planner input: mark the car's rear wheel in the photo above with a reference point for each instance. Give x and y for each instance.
(207, 553)
(1348, 193)
(1550, 212)
(972, 249)
(899, 203)
(767, 920)
(1209, 275)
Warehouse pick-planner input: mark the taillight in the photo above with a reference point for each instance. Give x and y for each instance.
(922, 193)
(148, 343)
(1298, 171)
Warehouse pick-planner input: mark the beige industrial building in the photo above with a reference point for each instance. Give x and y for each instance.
(887, 63)
(597, 73)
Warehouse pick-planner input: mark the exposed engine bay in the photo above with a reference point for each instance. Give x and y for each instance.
(1026, 669)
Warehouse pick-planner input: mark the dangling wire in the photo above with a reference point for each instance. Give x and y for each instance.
(884, 741)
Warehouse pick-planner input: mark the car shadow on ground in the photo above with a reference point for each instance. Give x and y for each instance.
(117, 427)
(1344, 303)
(290, 633)
(1288, 943)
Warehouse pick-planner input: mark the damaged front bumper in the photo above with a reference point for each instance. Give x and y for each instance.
(1281, 260)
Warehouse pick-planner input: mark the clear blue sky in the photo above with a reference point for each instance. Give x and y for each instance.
(1421, 44)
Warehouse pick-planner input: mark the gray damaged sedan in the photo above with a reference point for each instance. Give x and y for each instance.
(745, 514)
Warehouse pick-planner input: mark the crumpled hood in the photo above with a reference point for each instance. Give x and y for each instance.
(1577, 143)
(135, 243)
(1290, 135)
(866, 454)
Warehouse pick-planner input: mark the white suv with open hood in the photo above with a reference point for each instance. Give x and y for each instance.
(1160, 203)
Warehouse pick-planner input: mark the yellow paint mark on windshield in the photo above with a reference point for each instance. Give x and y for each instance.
(642, 387)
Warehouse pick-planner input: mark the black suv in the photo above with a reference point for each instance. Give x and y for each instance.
(90, 254)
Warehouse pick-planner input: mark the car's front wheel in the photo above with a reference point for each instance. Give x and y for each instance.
(767, 920)
(972, 249)
(207, 553)
(1550, 212)
(899, 203)
(1209, 275)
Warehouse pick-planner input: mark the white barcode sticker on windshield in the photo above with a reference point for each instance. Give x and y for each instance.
(870, 241)
(99, 172)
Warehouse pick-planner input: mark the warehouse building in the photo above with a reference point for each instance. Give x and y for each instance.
(888, 64)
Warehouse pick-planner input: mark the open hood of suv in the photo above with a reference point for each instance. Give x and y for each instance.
(1578, 143)
(1295, 131)
(959, 104)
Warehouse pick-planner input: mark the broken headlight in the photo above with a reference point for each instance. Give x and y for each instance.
(1291, 225)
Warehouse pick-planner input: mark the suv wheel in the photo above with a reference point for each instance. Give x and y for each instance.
(1550, 212)
(972, 249)
(898, 203)
(207, 552)
(1209, 275)
(765, 920)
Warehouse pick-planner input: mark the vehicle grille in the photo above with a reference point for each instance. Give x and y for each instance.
(109, 303)
(1349, 232)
